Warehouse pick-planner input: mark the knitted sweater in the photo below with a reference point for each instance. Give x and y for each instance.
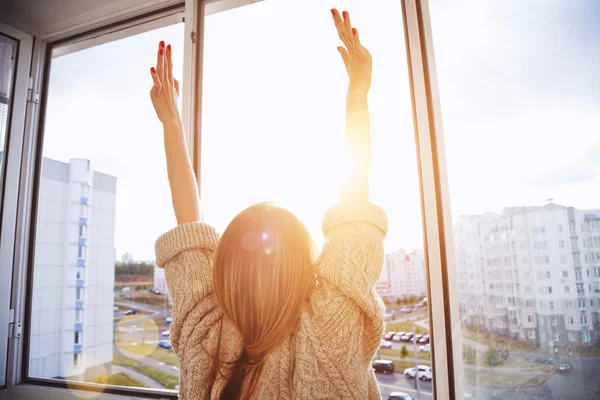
(329, 354)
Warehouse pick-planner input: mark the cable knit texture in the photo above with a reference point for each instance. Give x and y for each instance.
(329, 354)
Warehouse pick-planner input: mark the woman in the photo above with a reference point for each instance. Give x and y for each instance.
(254, 314)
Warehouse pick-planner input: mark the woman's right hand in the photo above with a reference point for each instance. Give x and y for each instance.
(357, 58)
(165, 92)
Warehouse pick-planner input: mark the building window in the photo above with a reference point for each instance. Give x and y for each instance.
(553, 319)
(531, 333)
(572, 336)
(561, 244)
(78, 294)
(551, 305)
(76, 359)
(81, 251)
(565, 274)
(563, 259)
(78, 336)
(542, 259)
(559, 228)
(529, 318)
(78, 315)
(567, 289)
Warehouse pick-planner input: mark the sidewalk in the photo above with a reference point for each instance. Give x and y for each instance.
(141, 378)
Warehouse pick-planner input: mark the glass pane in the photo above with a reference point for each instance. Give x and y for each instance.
(98, 316)
(520, 97)
(8, 53)
(273, 127)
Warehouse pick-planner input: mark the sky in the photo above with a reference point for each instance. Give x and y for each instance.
(519, 95)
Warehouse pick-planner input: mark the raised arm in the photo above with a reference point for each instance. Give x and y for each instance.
(357, 141)
(164, 95)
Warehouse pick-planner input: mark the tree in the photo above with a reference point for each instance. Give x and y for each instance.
(469, 354)
(403, 352)
(492, 358)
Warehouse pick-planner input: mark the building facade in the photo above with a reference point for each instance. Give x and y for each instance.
(532, 273)
(403, 275)
(73, 282)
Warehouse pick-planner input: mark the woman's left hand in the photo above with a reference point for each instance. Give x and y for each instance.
(165, 92)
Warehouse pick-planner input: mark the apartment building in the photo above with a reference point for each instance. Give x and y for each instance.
(73, 282)
(403, 275)
(532, 273)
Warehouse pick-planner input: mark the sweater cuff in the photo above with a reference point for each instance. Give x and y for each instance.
(189, 235)
(355, 211)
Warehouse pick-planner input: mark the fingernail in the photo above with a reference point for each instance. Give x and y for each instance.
(354, 31)
(160, 52)
(333, 12)
(152, 70)
(169, 48)
(162, 44)
(345, 14)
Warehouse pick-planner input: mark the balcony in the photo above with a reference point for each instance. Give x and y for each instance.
(82, 240)
(78, 326)
(77, 348)
(79, 283)
(83, 221)
(83, 200)
(81, 262)
(79, 304)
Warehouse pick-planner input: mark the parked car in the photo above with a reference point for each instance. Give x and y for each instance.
(407, 336)
(425, 349)
(389, 335)
(385, 344)
(399, 396)
(424, 372)
(416, 338)
(165, 344)
(398, 336)
(565, 366)
(384, 366)
(131, 312)
(424, 340)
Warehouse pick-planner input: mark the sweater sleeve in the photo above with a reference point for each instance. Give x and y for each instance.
(185, 253)
(348, 269)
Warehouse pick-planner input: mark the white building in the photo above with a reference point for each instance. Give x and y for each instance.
(73, 282)
(403, 275)
(127, 258)
(160, 284)
(532, 273)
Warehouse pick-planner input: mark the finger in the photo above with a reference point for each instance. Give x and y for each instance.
(348, 27)
(339, 25)
(155, 77)
(176, 84)
(159, 61)
(169, 65)
(344, 54)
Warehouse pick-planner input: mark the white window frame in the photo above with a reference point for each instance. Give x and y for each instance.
(435, 200)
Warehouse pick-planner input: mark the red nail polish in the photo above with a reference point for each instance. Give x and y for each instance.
(169, 48)
(162, 44)
(333, 12)
(152, 70)
(160, 52)
(354, 31)
(345, 14)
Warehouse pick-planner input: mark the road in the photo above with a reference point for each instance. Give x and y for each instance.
(399, 383)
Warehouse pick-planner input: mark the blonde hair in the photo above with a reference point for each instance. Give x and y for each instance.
(262, 274)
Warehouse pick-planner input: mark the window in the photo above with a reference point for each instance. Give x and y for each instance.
(567, 289)
(527, 289)
(551, 303)
(553, 319)
(78, 336)
(85, 153)
(8, 52)
(583, 319)
(529, 318)
(565, 274)
(508, 57)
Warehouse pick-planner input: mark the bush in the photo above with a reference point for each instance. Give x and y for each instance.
(403, 352)
(469, 354)
(492, 358)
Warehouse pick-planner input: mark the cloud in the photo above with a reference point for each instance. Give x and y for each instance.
(581, 172)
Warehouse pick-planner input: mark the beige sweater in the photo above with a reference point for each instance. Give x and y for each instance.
(339, 330)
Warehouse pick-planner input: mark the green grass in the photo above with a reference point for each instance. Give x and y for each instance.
(119, 379)
(167, 380)
(404, 326)
(411, 355)
(150, 350)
